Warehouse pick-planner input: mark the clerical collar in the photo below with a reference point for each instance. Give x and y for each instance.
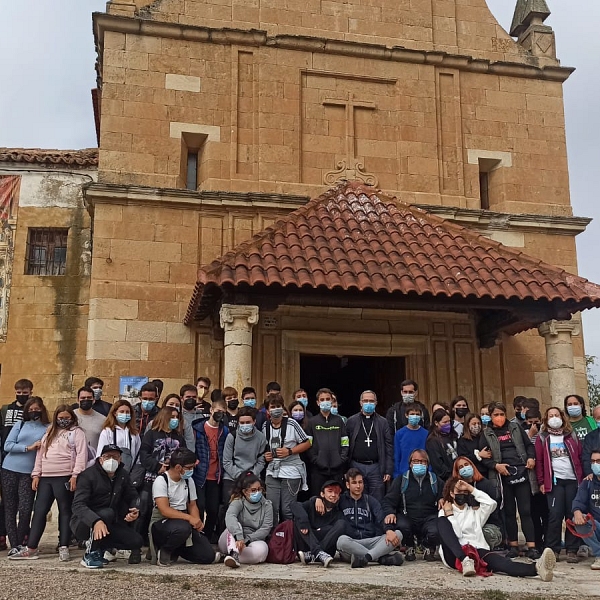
(366, 416)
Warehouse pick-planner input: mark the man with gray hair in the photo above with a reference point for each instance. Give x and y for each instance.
(371, 447)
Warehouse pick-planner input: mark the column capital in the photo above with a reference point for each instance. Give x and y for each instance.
(554, 327)
(233, 316)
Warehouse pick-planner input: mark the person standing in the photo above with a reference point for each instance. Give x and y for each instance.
(396, 415)
(459, 409)
(89, 420)
(370, 446)
(230, 395)
(581, 423)
(120, 429)
(97, 386)
(409, 438)
(193, 409)
(442, 445)
(12, 413)
(147, 408)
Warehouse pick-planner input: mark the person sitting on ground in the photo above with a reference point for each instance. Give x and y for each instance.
(365, 541)
(315, 534)
(409, 438)
(411, 506)
(176, 526)
(105, 503)
(462, 541)
(248, 522)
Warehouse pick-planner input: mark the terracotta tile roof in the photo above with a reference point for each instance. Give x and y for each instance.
(355, 238)
(87, 157)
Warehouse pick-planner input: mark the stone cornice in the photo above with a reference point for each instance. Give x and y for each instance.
(98, 193)
(505, 221)
(254, 37)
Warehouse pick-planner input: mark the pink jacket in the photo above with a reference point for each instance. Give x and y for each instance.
(67, 455)
(543, 462)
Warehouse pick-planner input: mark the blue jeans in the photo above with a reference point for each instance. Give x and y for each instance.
(594, 541)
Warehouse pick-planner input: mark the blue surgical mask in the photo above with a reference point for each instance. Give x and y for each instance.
(334, 410)
(303, 400)
(255, 497)
(368, 408)
(486, 419)
(246, 428)
(148, 405)
(466, 471)
(173, 423)
(250, 402)
(187, 474)
(419, 470)
(123, 418)
(325, 406)
(596, 469)
(574, 410)
(523, 415)
(414, 420)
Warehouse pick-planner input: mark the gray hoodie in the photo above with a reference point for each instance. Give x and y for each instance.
(244, 453)
(249, 521)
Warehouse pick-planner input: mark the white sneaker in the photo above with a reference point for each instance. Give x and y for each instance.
(122, 554)
(109, 556)
(545, 565)
(596, 565)
(468, 567)
(64, 554)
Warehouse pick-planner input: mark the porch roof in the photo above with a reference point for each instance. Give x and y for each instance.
(354, 239)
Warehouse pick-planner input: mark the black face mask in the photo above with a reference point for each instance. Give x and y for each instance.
(461, 412)
(461, 499)
(218, 415)
(189, 403)
(233, 404)
(22, 398)
(35, 415)
(86, 404)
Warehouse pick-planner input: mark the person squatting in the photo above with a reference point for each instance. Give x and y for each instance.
(214, 477)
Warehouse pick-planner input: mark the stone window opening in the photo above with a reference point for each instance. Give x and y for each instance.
(191, 156)
(46, 251)
(487, 166)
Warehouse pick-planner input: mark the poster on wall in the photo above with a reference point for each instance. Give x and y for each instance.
(129, 388)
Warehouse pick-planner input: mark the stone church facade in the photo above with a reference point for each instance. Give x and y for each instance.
(218, 120)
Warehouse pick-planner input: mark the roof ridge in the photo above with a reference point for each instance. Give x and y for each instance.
(80, 158)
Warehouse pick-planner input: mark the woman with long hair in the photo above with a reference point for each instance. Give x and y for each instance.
(559, 472)
(441, 445)
(21, 446)
(459, 409)
(62, 455)
(298, 412)
(580, 422)
(468, 443)
(120, 429)
(249, 521)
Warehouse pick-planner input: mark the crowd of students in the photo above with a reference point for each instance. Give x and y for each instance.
(215, 477)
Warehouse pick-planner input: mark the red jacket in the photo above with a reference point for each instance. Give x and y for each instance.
(543, 462)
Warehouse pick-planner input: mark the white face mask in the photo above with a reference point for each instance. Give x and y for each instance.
(555, 422)
(110, 465)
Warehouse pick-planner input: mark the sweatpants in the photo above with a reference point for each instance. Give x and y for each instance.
(253, 554)
(497, 563)
(376, 547)
(49, 490)
(518, 495)
(18, 500)
(425, 530)
(281, 493)
(209, 501)
(560, 500)
(171, 535)
(316, 540)
(121, 535)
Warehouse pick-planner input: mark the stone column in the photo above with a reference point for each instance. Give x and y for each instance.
(559, 356)
(237, 321)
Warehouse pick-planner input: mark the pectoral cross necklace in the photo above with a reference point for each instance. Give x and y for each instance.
(368, 440)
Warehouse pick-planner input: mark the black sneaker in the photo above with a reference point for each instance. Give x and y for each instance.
(358, 562)
(533, 553)
(135, 558)
(429, 554)
(513, 552)
(411, 554)
(394, 559)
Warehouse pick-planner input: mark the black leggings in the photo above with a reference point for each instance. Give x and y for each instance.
(518, 495)
(50, 489)
(18, 500)
(171, 535)
(497, 563)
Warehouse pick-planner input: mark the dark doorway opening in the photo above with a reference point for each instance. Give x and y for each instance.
(349, 376)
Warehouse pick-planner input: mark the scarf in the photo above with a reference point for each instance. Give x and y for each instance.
(555, 431)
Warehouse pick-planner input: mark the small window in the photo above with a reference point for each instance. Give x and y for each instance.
(484, 190)
(46, 252)
(192, 170)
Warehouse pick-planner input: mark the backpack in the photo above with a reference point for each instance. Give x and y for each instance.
(433, 481)
(282, 430)
(281, 544)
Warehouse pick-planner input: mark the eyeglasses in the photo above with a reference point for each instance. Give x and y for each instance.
(254, 490)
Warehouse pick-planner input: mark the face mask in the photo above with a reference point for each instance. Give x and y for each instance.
(325, 406)
(246, 428)
(596, 469)
(461, 499)
(475, 429)
(233, 404)
(574, 411)
(97, 393)
(63, 423)
(598, 423)
(298, 415)
(461, 412)
(123, 418)
(466, 471)
(110, 465)
(419, 470)
(255, 497)
(555, 422)
(523, 415)
(276, 413)
(446, 428)
(250, 402)
(187, 474)
(218, 415)
(86, 404)
(414, 420)
(406, 398)
(22, 398)
(486, 419)
(303, 400)
(334, 410)
(189, 403)
(201, 392)
(148, 405)
(368, 408)
(499, 420)
(173, 423)
(35, 415)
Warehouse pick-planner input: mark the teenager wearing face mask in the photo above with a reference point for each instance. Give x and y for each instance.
(409, 438)
(211, 435)
(468, 444)
(396, 414)
(559, 472)
(459, 409)
(581, 423)
(105, 503)
(230, 395)
(484, 413)
(12, 413)
(512, 467)
(62, 455)
(147, 408)
(297, 412)
(442, 445)
(97, 386)
(249, 401)
(301, 396)
(21, 447)
(335, 408)
(90, 421)
(120, 429)
(248, 522)
(461, 524)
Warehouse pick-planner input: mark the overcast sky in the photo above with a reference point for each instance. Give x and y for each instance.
(47, 67)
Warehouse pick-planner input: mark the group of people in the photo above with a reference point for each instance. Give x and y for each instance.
(207, 477)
